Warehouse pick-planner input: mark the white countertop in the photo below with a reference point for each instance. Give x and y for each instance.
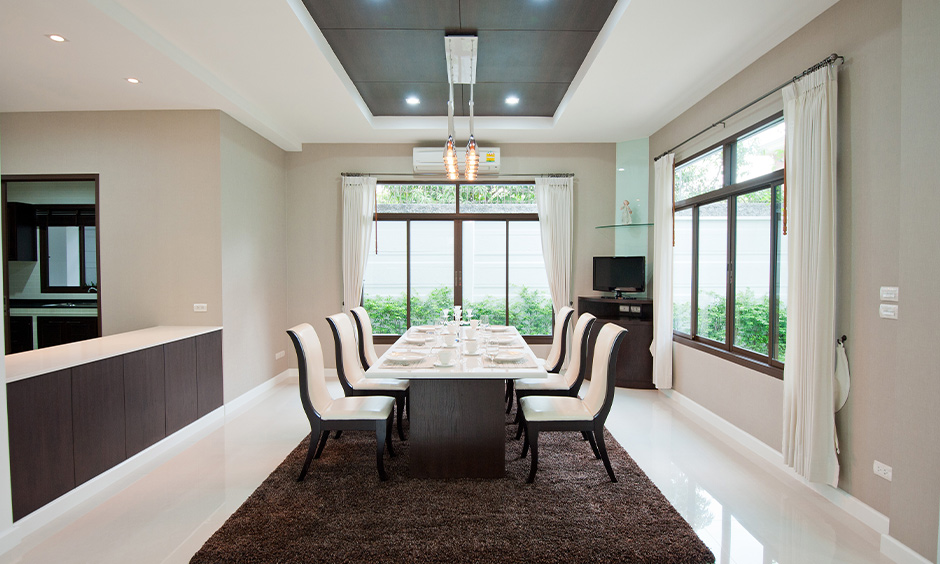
(466, 366)
(50, 359)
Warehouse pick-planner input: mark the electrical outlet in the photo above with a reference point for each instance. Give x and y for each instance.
(889, 293)
(279, 355)
(888, 311)
(200, 308)
(882, 470)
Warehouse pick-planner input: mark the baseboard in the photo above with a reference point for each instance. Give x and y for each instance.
(117, 478)
(899, 552)
(750, 446)
(254, 396)
(9, 539)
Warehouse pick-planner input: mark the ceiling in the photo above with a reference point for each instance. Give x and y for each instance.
(270, 66)
(393, 50)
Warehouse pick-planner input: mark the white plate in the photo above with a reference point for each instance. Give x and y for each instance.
(498, 328)
(439, 365)
(509, 356)
(504, 340)
(425, 328)
(478, 353)
(417, 339)
(404, 356)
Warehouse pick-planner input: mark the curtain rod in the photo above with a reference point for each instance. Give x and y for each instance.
(479, 178)
(830, 60)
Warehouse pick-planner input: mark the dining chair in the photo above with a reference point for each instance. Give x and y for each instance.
(327, 414)
(567, 383)
(351, 375)
(556, 355)
(587, 415)
(367, 354)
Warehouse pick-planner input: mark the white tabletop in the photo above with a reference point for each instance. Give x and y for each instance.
(42, 361)
(466, 366)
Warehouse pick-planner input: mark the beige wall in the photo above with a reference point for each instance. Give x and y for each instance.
(915, 491)
(868, 34)
(160, 206)
(254, 259)
(314, 213)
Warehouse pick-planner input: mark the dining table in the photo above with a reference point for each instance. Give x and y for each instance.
(457, 405)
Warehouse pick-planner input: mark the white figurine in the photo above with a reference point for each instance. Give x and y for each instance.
(626, 214)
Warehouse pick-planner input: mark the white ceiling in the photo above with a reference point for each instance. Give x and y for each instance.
(265, 63)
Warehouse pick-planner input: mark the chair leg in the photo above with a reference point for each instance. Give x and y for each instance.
(310, 449)
(338, 433)
(323, 437)
(388, 437)
(509, 388)
(381, 433)
(599, 433)
(400, 408)
(525, 442)
(588, 436)
(533, 436)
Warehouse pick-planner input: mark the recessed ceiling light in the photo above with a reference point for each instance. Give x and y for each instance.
(57, 38)
(413, 100)
(133, 80)
(620, 169)
(512, 100)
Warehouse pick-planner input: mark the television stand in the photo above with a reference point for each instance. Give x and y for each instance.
(634, 363)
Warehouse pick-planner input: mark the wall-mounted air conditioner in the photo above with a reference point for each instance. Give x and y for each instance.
(430, 160)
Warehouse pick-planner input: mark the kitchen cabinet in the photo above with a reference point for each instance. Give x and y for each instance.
(77, 410)
(55, 330)
(21, 334)
(21, 231)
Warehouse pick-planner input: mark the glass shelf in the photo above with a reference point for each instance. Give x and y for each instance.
(624, 225)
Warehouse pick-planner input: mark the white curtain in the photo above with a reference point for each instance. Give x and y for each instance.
(358, 212)
(809, 109)
(661, 348)
(554, 197)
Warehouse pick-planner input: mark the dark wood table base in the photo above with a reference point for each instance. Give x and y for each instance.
(458, 428)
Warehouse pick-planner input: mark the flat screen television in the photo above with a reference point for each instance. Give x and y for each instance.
(620, 274)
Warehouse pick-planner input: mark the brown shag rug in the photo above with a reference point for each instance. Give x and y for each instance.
(342, 513)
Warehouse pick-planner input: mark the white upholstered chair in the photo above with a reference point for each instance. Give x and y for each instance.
(351, 375)
(556, 355)
(327, 414)
(367, 354)
(588, 415)
(567, 383)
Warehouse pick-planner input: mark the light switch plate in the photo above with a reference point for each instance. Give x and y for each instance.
(279, 355)
(888, 311)
(624, 309)
(200, 308)
(889, 293)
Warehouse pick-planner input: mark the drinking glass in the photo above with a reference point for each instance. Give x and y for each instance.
(484, 321)
(492, 348)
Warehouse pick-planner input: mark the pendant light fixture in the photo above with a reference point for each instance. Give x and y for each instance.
(461, 55)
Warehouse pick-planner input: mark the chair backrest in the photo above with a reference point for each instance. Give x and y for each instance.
(600, 395)
(314, 394)
(347, 357)
(364, 329)
(574, 376)
(556, 355)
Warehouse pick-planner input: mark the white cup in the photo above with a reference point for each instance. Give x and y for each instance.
(474, 323)
(450, 339)
(470, 333)
(472, 345)
(450, 329)
(447, 355)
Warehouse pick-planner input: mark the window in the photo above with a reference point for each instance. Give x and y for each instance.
(729, 285)
(67, 248)
(477, 245)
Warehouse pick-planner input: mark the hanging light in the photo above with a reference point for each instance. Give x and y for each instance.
(473, 157)
(450, 151)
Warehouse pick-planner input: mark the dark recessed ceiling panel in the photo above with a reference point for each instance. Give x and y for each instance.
(384, 14)
(543, 15)
(394, 49)
(531, 56)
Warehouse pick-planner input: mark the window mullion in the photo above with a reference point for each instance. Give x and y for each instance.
(507, 272)
(407, 274)
(695, 269)
(774, 298)
(730, 272)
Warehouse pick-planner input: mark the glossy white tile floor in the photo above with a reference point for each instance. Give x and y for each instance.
(742, 512)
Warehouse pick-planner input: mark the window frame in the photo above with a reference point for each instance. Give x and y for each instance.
(65, 215)
(729, 192)
(457, 218)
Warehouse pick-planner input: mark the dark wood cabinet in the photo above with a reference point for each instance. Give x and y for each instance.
(68, 426)
(98, 417)
(52, 330)
(634, 363)
(21, 334)
(181, 386)
(144, 399)
(21, 231)
(39, 413)
(208, 373)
